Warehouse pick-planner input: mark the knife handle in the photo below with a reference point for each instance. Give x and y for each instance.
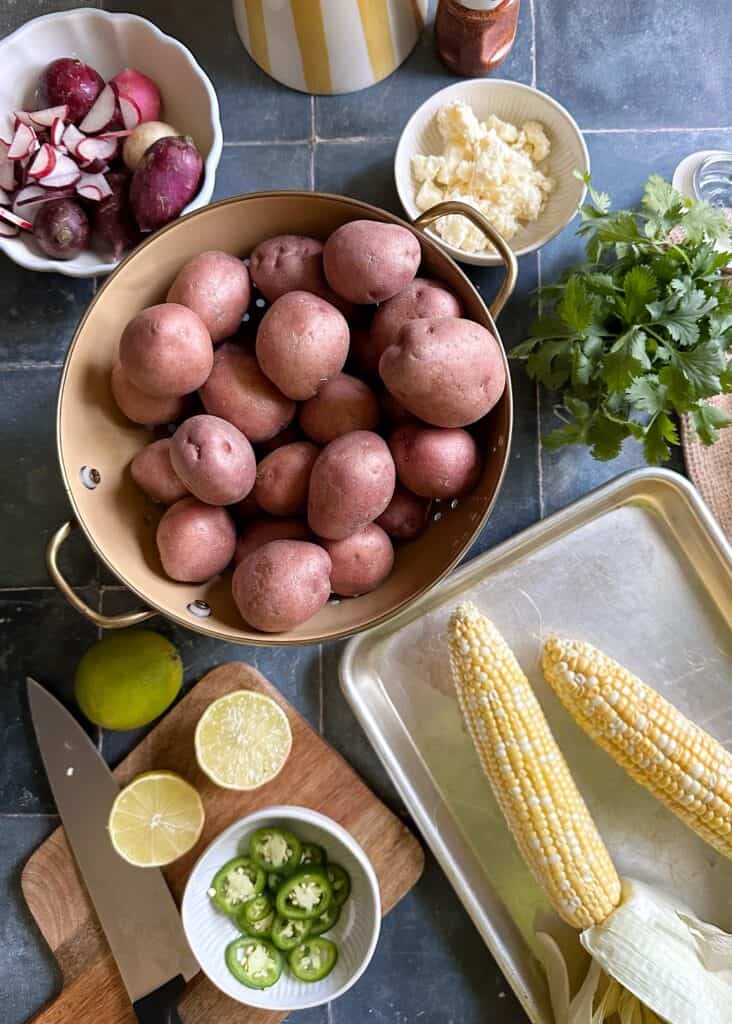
(160, 1007)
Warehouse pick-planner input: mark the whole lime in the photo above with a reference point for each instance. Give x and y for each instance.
(127, 679)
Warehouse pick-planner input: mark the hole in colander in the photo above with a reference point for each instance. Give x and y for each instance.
(261, 303)
(199, 608)
(437, 517)
(454, 503)
(90, 477)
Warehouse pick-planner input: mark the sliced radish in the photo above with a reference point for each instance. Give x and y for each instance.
(62, 179)
(131, 115)
(72, 137)
(123, 133)
(96, 149)
(30, 199)
(57, 131)
(44, 162)
(22, 117)
(7, 169)
(8, 230)
(45, 118)
(93, 186)
(13, 218)
(22, 142)
(5, 198)
(102, 112)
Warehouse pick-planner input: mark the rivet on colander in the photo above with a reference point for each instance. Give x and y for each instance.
(199, 609)
(247, 261)
(90, 477)
(246, 318)
(437, 516)
(454, 503)
(261, 303)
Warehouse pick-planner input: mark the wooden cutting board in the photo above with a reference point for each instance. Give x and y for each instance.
(315, 776)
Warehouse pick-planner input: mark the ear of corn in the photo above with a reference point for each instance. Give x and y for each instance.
(532, 783)
(684, 767)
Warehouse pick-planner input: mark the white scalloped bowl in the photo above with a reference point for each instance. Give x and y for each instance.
(356, 933)
(514, 102)
(109, 42)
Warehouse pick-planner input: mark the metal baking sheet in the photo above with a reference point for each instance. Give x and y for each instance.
(640, 569)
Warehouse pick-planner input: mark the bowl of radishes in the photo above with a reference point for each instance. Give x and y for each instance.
(109, 129)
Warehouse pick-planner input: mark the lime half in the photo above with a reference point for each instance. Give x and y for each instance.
(243, 740)
(156, 819)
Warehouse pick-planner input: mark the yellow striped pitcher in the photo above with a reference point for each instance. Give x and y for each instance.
(329, 46)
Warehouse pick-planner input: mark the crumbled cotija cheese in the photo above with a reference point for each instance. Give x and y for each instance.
(491, 165)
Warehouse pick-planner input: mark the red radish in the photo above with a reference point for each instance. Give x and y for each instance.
(69, 81)
(12, 218)
(112, 219)
(102, 113)
(45, 118)
(142, 91)
(22, 142)
(167, 178)
(62, 229)
(5, 199)
(7, 170)
(96, 149)
(62, 179)
(44, 162)
(93, 186)
(121, 134)
(22, 117)
(131, 115)
(57, 131)
(8, 230)
(72, 137)
(29, 200)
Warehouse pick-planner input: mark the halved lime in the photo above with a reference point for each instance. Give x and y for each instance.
(155, 819)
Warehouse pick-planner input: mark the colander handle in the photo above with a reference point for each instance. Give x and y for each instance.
(67, 591)
(476, 218)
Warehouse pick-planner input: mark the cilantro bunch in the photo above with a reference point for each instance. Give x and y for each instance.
(641, 331)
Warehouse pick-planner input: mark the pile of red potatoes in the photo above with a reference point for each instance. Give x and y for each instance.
(299, 473)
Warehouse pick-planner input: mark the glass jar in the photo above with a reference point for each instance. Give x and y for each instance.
(474, 36)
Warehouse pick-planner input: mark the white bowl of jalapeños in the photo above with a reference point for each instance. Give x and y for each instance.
(282, 910)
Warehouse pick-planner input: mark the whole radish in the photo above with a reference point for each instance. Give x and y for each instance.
(61, 229)
(70, 81)
(140, 91)
(166, 179)
(112, 219)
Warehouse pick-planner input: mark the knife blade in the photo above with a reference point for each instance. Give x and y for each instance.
(135, 908)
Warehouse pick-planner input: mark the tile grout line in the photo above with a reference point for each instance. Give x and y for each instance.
(312, 143)
(532, 16)
(321, 693)
(28, 814)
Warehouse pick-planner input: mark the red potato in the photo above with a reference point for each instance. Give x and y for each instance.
(239, 392)
(302, 341)
(422, 298)
(153, 472)
(261, 532)
(213, 459)
(164, 182)
(435, 463)
(405, 515)
(367, 261)
(447, 371)
(283, 477)
(216, 286)
(195, 541)
(140, 90)
(69, 81)
(282, 584)
(142, 408)
(61, 229)
(351, 484)
(292, 263)
(112, 220)
(166, 350)
(343, 404)
(360, 563)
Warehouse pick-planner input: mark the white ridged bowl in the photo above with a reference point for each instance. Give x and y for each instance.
(514, 102)
(209, 931)
(109, 42)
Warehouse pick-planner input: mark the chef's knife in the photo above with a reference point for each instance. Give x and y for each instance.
(134, 905)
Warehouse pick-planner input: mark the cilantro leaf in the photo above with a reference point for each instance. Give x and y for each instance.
(660, 433)
(639, 285)
(606, 436)
(702, 220)
(682, 311)
(626, 359)
(708, 420)
(577, 307)
(660, 198)
(551, 364)
(647, 394)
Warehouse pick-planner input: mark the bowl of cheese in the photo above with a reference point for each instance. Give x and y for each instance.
(505, 148)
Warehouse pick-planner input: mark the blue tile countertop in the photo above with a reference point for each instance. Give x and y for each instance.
(648, 83)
